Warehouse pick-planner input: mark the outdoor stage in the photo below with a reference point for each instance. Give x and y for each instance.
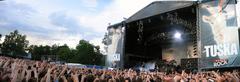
(167, 36)
(200, 34)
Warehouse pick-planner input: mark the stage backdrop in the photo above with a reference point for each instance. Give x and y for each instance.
(178, 51)
(218, 34)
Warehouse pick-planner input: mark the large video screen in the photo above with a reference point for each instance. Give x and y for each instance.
(218, 34)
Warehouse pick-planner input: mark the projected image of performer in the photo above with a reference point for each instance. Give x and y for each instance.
(221, 17)
(219, 37)
(216, 20)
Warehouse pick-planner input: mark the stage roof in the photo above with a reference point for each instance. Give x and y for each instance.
(159, 7)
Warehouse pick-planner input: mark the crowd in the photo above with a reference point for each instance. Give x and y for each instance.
(22, 70)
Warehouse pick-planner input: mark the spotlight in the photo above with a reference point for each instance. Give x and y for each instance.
(177, 35)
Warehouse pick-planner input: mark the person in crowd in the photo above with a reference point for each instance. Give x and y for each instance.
(22, 70)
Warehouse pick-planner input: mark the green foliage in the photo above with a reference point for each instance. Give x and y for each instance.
(0, 44)
(38, 51)
(0, 37)
(87, 53)
(15, 44)
(54, 49)
(64, 53)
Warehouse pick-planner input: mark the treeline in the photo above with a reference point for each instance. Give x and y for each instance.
(16, 45)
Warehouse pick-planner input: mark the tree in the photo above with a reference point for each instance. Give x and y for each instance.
(64, 53)
(34, 50)
(87, 53)
(39, 51)
(0, 36)
(15, 44)
(54, 49)
(0, 44)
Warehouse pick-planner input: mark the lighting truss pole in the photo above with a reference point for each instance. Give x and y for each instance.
(238, 12)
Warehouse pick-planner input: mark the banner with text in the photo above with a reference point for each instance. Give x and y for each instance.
(219, 34)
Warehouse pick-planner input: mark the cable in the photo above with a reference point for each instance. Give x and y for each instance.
(225, 5)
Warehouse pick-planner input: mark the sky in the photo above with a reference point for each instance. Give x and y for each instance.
(48, 22)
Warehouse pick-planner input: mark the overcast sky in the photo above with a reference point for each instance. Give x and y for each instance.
(47, 22)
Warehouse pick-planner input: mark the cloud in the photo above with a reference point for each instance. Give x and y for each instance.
(2, 39)
(50, 22)
(113, 13)
(38, 27)
(3, 23)
(98, 41)
(62, 20)
(60, 39)
(21, 16)
(90, 3)
(13, 13)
